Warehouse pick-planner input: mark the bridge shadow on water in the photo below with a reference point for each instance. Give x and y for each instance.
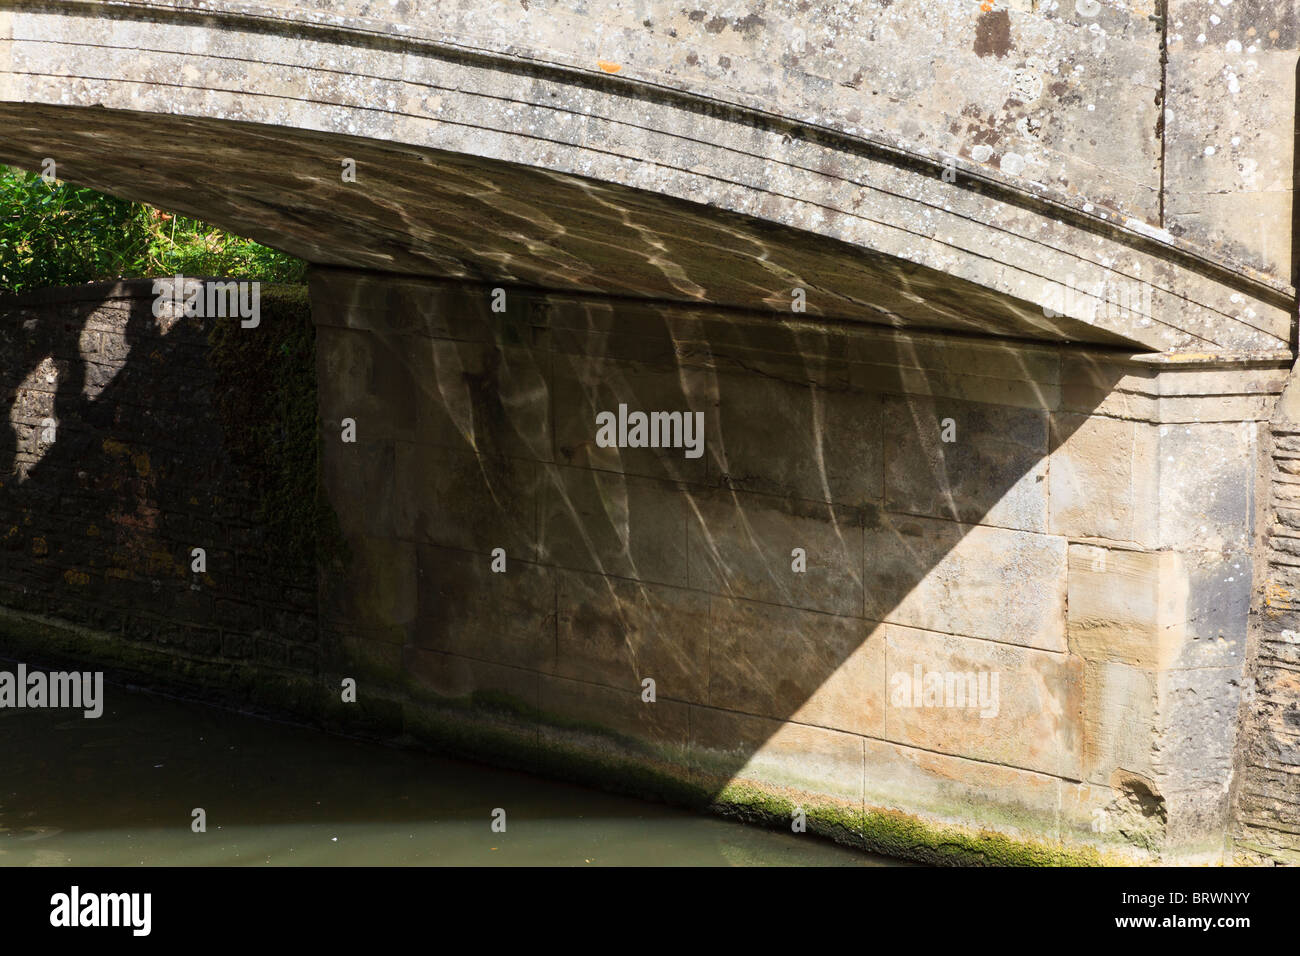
(121, 790)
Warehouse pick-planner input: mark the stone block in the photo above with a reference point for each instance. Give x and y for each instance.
(796, 665)
(1217, 611)
(360, 482)
(1126, 606)
(585, 387)
(1159, 609)
(1102, 477)
(617, 632)
(457, 677)
(741, 544)
(578, 706)
(464, 501)
(1207, 477)
(1198, 710)
(959, 790)
(482, 398)
(793, 439)
(366, 376)
(921, 364)
(983, 700)
(728, 747)
(951, 578)
(1118, 720)
(378, 588)
(614, 524)
(993, 472)
(465, 608)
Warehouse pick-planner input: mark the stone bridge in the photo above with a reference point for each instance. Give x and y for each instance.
(986, 307)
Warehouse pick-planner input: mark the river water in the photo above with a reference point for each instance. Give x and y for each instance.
(120, 790)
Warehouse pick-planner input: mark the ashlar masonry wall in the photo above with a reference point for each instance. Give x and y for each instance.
(878, 519)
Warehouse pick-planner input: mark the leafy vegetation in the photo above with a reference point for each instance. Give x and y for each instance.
(57, 234)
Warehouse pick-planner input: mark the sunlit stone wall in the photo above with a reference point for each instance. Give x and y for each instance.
(877, 518)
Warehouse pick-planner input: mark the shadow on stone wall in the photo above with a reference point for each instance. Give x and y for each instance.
(475, 431)
(116, 465)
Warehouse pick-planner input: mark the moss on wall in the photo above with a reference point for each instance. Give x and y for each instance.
(266, 399)
(507, 733)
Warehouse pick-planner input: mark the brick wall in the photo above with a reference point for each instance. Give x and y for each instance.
(115, 464)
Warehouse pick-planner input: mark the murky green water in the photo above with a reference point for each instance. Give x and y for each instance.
(120, 791)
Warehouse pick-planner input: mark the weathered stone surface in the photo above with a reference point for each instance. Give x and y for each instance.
(1159, 609)
(1276, 686)
(796, 440)
(1194, 753)
(456, 677)
(1268, 747)
(1097, 383)
(460, 500)
(467, 609)
(1020, 376)
(612, 577)
(375, 386)
(1230, 77)
(355, 472)
(1118, 719)
(615, 524)
(1217, 609)
(662, 724)
(617, 633)
(1206, 476)
(992, 472)
(1102, 478)
(1022, 717)
(585, 387)
(486, 399)
(1126, 606)
(992, 583)
(797, 665)
(382, 576)
(736, 748)
(1186, 768)
(741, 545)
(956, 789)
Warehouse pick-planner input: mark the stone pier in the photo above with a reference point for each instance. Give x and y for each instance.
(1085, 533)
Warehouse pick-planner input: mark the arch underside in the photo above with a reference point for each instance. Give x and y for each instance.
(489, 169)
(445, 215)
